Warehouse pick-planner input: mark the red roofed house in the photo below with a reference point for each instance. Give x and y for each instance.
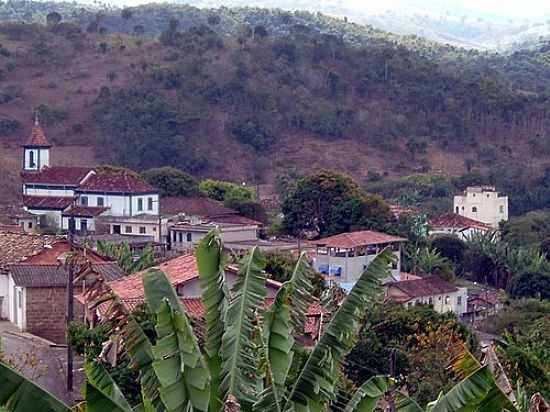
(454, 224)
(194, 217)
(344, 257)
(37, 290)
(183, 273)
(58, 194)
(440, 294)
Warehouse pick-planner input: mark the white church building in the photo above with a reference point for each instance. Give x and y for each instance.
(59, 193)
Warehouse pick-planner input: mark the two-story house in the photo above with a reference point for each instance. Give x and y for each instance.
(125, 203)
(343, 258)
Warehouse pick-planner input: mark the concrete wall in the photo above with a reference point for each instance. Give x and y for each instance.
(352, 267)
(483, 205)
(461, 234)
(123, 205)
(450, 302)
(232, 234)
(151, 229)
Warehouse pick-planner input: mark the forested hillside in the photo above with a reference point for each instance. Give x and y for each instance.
(248, 94)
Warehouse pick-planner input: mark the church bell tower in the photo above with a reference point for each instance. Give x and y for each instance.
(36, 152)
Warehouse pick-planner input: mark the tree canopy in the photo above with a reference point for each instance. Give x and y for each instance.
(328, 202)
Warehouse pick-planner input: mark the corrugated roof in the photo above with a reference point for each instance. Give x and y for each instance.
(356, 239)
(456, 221)
(116, 181)
(43, 276)
(57, 175)
(428, 286)
(47, 202)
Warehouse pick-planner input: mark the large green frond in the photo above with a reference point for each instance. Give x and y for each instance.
(315, 384)
(101, 392)
(215, 298)
(477, 392)
(140, 350)
(278, 342)
(19, 394)
(179, 365)
(239, 343)
(301, 289)
(367, 396)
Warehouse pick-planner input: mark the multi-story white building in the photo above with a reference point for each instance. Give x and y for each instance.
(61, 194)
(482, 203)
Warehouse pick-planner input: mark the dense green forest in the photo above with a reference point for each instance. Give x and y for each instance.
(163, 85)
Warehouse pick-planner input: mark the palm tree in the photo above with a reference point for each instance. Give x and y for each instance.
(247, 353)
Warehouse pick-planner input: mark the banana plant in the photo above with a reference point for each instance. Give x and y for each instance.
(248, 349)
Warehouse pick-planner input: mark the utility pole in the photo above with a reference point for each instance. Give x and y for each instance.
(70, 306)
(391, 400)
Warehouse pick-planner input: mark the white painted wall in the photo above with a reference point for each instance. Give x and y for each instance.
(450, 302)
(78, 220)
(228, 234)
(54, 214)
(352, 267)
(120, 205)
(461, 234)
(52, 191)
(19, 318)
(4, 293)
(482, 205)
(41, 158)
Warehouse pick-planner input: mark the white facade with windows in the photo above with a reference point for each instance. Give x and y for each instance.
(482, 203)
(121, 204)
(35, 158)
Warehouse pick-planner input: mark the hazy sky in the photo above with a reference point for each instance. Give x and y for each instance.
(500, 8)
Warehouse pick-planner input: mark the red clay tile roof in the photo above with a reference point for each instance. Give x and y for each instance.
(194, 206)
(58, 175)
(428, 286)
(456, 221)
(179, 270)
(120, 182)
(47, 202)
(84, 211)
(50, 255)
(11, 228)
(37, 137)
(15, 247)
(356, 239)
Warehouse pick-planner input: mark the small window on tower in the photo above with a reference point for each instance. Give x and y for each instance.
(142, 230)
(32, 163)
(474, 209)
(501, 209)
(456, 209)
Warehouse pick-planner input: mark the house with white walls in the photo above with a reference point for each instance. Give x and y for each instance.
(483, 204)
(59, 194)
(441, 295)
